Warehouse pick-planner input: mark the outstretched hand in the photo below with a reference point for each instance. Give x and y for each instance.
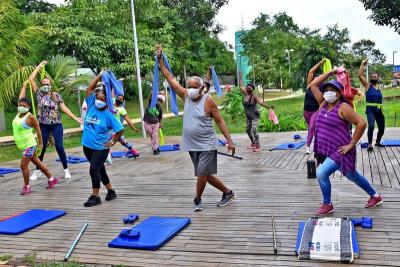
(159, 50)
(364, 62)
(231, 148)
(43, 63)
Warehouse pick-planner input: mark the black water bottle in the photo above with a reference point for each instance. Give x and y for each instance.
(311, 169)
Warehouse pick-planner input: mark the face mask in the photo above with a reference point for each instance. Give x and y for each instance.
(374, 81)
(193, 93)
(45, 88)
(330, 96)
(119, 102)
(22, 109)
(99, 104)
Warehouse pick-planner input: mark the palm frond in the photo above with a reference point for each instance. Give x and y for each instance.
(13, 83)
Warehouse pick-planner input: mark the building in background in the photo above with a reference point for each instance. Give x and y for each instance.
(242, 62)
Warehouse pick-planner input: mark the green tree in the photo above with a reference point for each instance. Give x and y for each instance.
(366, 49)
(34, 6)
(384, 12)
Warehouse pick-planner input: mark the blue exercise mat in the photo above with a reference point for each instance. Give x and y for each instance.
(392, 142)
(289, 146)
(74, 159)
(28, 220)
(121, 154)
(356, 248)
(151, 234)
(166, 148)
(7, 170)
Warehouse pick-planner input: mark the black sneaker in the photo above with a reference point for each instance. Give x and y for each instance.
(156, 152)
(197, 205)
(111, 195)
(92, 201)
(226, 199)
(370, 149)
(379, 145)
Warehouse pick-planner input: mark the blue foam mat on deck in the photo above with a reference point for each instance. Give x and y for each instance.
(28, 220)
(166, 148)
(151, 234)
(289, 146)
(7, 170)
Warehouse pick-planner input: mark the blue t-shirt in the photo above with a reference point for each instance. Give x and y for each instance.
(373, 95)
(97, 125)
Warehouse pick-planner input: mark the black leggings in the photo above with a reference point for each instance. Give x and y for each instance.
(97, 169)
(377, 116)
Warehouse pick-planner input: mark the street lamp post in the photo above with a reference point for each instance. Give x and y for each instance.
(238, 62)
(288, 53)
(394, 52)
(137, 66)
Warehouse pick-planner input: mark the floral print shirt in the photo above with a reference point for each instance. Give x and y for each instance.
(49, 107)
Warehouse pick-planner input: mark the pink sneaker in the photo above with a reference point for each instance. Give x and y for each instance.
(374, 201)
(325, 209)
(52, 183)
(135, 153)
(26, 190)
(252, 146)
(257, 149)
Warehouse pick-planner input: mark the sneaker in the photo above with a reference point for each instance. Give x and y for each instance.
(252, 146)
(26, 190)
(325, 209)
(197, 205)
(379, 145)
(109, 159)
(135, 153)
(226, 199)
(257, 149)
(111, 195)
(67, 174)
(92, 201)
(156, 152)
(370, 149)
(52, 183)
(36, 174)
(307, 152)
(374, 201)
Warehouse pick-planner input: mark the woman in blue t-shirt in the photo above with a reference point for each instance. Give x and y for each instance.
(99, 121)
(374, 99)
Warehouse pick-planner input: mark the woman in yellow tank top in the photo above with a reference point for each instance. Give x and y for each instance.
(23, 125)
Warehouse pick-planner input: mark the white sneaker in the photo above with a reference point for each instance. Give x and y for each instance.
(67, 174)
(109, 159)
(36, 174)
(308, 152)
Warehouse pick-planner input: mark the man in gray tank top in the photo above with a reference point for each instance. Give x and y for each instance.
(198, 136)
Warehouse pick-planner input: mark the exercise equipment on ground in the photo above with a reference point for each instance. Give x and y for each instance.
(364, 145)
(151, 234)
(74, 159)
(123, 154)
(229, 155)
(71, 249)
(364, 222)
(8, 170)
(296, 137)
(274, 234)
(131, 218)
(167, 148)
(391, 142)
(28, 220)
(289, 146)
(332, 239)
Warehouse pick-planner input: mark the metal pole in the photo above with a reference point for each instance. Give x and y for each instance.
(280, 71)
(289, 61)
(75, 242)
(394, 52)
(138, 67)
(274, 234)
(79, 91)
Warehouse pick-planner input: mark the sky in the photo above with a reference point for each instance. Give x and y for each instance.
(313, 14)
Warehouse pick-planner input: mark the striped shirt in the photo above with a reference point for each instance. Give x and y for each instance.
(331, 133)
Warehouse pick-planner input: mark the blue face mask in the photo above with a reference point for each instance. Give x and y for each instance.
(99, 104)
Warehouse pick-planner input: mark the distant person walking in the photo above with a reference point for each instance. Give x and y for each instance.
(374, 109)
(49, 105)
(153, 121)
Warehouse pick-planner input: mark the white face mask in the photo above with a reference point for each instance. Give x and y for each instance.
(22, 109)
(99, 104)
(193, 93)
(330, 96)
(45, 88)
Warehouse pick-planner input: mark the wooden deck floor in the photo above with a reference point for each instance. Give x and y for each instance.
(267, 183)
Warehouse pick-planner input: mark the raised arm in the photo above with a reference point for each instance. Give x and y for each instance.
(179, 89)
(93, 83)
(317, 82)
(22, 94)
(241, 86)
(312, 71)
(33, 75)
(361, 72)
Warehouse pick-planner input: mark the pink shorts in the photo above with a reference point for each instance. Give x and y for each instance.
(29, 152)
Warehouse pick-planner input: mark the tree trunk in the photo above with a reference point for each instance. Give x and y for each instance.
(2, 120)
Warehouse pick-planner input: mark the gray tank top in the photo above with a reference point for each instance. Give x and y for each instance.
(198, 130)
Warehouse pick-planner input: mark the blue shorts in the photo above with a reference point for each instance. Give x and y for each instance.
(29, 152)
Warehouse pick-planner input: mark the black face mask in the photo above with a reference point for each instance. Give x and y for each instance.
(118, 102)
(374, 81)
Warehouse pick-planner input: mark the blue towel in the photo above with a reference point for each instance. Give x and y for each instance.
(116, 84)
(217, 86)
(111, 83)
(173, 102)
